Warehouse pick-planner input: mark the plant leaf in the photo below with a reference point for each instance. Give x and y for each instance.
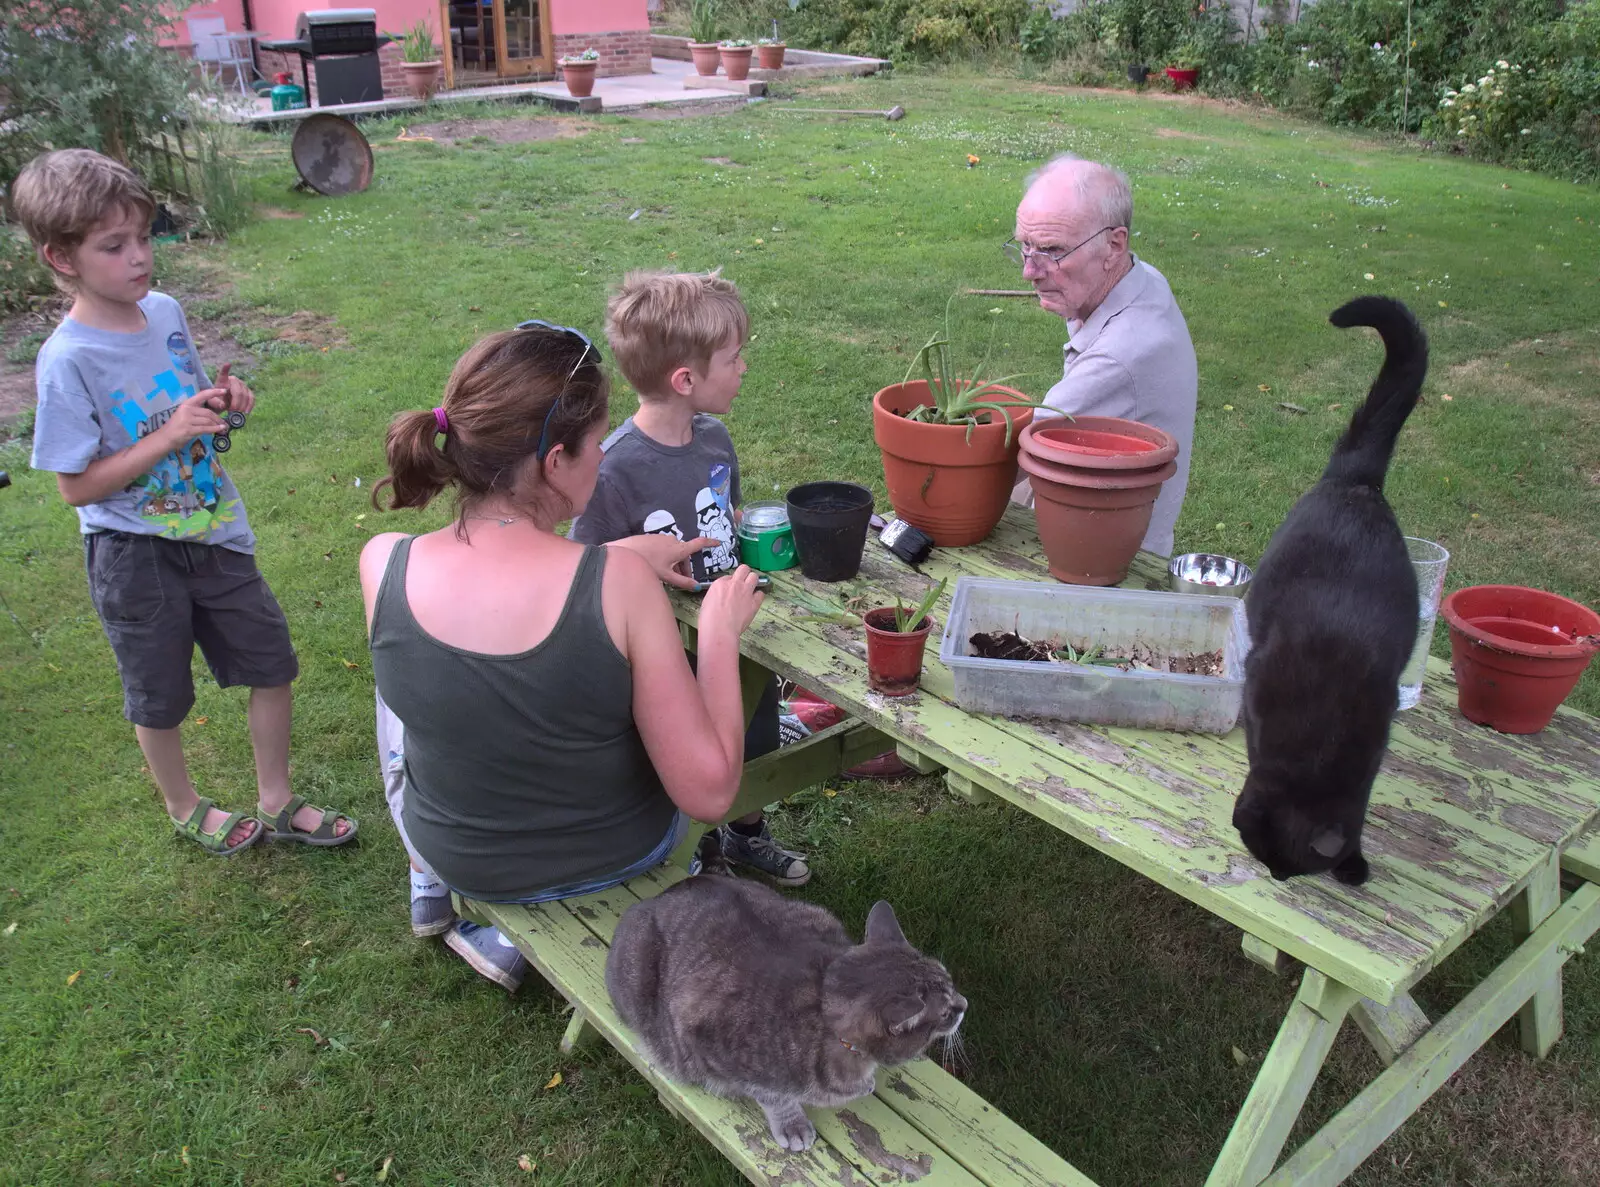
(553, 1082)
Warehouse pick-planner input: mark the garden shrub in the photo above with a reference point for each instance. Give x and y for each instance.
(92, 74)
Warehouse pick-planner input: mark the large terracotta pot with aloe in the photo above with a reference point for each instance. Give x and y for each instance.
(949, 446)
(1095, 480)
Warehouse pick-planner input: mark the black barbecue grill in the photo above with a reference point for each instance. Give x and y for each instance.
(344, 44)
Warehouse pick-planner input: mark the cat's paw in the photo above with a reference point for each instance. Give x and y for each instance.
(791, 1128)
(1352, 871)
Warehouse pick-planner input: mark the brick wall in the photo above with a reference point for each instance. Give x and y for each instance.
(394, 80)
(625, 52)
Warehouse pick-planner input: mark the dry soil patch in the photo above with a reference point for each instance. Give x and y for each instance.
(501, 131)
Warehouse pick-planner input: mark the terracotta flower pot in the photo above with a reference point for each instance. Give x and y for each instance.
(1516, 653)
(770, 56)
(422, 78)
(580, 78)
(736, 61)
(1183, 80)
(1095, 480)
(953, 488)
(894, 658)
(707, 57)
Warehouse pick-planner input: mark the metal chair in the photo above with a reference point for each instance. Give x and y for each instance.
(215, 46)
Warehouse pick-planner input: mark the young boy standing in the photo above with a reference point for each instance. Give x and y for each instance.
(670, 468)
(125, 419)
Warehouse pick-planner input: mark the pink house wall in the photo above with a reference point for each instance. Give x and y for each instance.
(276, 18)
(597, 16)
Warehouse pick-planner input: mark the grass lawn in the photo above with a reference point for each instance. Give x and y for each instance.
(157, 1006)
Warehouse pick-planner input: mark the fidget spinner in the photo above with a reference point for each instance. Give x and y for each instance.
(222, 441)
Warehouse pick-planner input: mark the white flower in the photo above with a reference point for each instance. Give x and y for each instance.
(1448, 103)
(1312, 65)
(1461, 131)
(1469, 89)
(1524, 132)
(1498, 93)
(1503, 64)
(1377, 45)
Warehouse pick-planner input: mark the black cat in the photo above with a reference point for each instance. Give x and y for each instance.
(1333, 620)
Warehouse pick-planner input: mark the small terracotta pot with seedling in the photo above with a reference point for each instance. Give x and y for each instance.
(896, 636)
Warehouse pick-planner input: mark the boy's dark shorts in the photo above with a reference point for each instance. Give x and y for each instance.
(157, 598)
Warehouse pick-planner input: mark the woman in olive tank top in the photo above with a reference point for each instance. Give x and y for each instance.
(555, 740)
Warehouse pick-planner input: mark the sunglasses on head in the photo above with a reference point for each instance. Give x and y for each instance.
(539, 323)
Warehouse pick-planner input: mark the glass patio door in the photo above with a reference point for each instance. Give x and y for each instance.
(522, 34)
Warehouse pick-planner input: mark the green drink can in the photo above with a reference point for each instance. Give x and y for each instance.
(766, 542)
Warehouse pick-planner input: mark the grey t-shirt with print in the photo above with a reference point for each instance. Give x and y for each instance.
(99, 392)
(674, 490)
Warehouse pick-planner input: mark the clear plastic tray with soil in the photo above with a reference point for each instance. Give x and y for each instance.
(1124, 657)
(1136, 658)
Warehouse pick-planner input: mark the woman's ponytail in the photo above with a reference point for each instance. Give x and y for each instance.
(418, 467)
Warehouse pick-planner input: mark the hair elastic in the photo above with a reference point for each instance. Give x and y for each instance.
(440, 419)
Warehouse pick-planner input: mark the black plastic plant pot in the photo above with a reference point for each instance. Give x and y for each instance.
(1137, 74)
(829, 520)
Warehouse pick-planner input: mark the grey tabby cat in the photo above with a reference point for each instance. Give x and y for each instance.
(731, 986)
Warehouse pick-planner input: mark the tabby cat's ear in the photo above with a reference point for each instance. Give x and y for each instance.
(902, 1012)
(882, 926)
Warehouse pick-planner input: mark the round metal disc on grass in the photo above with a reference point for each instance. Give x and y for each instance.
(331, 155)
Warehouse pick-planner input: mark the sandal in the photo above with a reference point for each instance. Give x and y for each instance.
(216, 841)
(281, 827)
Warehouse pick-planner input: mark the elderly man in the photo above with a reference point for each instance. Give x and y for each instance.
(1129, 352)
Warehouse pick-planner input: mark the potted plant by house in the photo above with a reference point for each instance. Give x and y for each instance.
(703, 46)
(1095, 480)
(1517, 653)
(769, 53)
(578, 70)
(1184, 70)
(420, 61)
(736, 55)
(896, 636)
(949, 444)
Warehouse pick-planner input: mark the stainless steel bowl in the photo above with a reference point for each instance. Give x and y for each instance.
(1209, 573)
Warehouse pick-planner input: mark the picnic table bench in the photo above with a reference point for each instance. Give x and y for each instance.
(1464, 824)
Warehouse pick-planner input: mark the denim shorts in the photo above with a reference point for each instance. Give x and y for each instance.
(157, 598)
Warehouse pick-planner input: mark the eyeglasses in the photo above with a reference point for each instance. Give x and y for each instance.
(1021, 255)
(537, 323)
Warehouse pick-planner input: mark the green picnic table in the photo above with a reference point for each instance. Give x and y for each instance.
(1464, 823)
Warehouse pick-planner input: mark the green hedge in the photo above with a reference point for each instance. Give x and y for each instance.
(1514, 81)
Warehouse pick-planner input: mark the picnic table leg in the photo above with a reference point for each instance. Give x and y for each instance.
(580, 1032)
(1540, 1021)
(1285, 1079)
(1391, 1029)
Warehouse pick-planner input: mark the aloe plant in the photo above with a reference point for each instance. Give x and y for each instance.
(956, 400)
(703, 21)
(906, 621)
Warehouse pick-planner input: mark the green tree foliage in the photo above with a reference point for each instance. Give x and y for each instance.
(86, 74)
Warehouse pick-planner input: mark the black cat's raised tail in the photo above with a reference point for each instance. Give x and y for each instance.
(1362, 456)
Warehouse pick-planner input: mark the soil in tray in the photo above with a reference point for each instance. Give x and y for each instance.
(1138, 658)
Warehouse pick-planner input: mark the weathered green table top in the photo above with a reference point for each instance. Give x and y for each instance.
(1460, 820)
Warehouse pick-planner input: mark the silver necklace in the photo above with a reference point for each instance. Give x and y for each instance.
(496, 519)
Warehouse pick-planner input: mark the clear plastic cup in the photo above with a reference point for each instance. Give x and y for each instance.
(1429, 561)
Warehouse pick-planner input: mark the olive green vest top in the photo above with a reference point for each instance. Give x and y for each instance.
(523, 772)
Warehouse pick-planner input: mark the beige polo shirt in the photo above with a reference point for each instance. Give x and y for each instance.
(1133, 358)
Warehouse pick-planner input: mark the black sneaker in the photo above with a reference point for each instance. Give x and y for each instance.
(708, 857)
(762, 854)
